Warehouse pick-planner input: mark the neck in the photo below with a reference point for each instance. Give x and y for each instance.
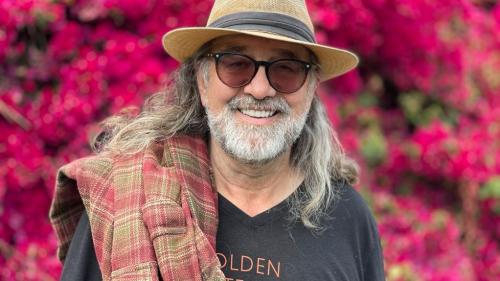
(253, 188)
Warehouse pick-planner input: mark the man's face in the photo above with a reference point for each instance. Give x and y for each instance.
(255, 123)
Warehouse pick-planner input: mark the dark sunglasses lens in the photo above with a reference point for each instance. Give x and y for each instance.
(287, 76)
(235, 70)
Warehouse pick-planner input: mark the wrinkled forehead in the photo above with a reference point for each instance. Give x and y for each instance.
(250, 45)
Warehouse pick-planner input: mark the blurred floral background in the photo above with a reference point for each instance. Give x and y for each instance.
(421, 115)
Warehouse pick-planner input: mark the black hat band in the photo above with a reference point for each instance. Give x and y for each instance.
(267, 22)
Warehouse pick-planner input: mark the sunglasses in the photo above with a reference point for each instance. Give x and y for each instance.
(284, 75)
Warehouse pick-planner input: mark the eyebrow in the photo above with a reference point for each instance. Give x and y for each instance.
(281, 53)
(286, 53)
(236, 49)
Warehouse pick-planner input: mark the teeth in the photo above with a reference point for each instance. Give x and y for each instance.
(257, 113)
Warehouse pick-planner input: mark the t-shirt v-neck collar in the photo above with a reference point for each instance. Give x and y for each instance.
(228, 209)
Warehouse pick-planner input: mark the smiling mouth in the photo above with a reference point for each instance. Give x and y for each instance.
(258, 113)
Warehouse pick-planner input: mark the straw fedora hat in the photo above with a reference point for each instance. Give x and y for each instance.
(283, 20)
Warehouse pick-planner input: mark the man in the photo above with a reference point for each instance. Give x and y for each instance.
(233, 173)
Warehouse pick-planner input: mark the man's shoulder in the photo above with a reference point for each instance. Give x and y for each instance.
(351, 206)
(349, 195)
(177, 150)
(103, 163)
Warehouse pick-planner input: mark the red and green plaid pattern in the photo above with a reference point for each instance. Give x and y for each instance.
(155, 210)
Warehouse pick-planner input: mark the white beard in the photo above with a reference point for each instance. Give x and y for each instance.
(256, 144)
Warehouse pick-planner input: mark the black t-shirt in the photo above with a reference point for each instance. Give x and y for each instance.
(267, 247)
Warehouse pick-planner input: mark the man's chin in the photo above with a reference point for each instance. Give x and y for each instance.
(255, 161)
(251, 155)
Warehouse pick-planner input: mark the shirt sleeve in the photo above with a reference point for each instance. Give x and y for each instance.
(81, 261)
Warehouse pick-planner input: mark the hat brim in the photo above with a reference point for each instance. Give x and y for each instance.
(182, 43)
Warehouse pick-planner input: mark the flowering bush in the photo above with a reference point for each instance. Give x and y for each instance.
(421, 115)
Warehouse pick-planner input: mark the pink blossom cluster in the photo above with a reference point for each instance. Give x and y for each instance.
(421, 115)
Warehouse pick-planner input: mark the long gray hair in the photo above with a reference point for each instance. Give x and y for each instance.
(177, 110)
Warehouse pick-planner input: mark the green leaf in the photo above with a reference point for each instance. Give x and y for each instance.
(412, 104)
(368, 99)
(491, 189)
(374, 146)
(433, 112)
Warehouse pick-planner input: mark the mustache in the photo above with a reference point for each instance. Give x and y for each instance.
(269, 103)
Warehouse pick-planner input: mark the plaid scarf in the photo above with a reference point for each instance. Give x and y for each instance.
(151, 211)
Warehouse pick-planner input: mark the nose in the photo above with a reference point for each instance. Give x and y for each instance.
(259, 87)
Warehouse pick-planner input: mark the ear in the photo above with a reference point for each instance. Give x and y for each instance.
(202, 87)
